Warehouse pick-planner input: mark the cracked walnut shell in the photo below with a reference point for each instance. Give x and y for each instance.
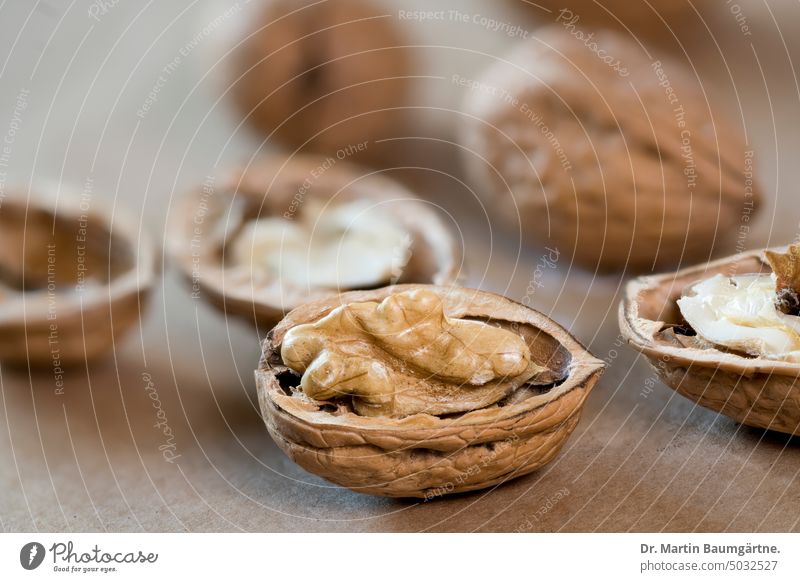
(754, 390)
(606, 154)
(73, 278)
(420, 391)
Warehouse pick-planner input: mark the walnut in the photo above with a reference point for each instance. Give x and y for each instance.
(655, 18)
(73, 278)
(404, 356)
(786, 266)
(285, 231)
(607, 154)
(754, 390)
(347, 245)
(323, 75)
(419, 391)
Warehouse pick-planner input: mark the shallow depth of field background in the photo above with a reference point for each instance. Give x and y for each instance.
(72, 92)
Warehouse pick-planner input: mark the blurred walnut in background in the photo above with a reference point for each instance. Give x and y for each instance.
(617, 159)
(323, 75)
(661, 17)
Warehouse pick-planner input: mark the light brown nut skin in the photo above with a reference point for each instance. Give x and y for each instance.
(404, 356)
(593, 158)
(786, 267)
(423, 455)
(752, 390)
(323, 76)
(45, 252)
(201, 225)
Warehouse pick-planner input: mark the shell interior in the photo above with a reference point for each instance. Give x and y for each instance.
(62, 251)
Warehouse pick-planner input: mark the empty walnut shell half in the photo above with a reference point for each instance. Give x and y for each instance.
(324, 199)
(606, 154)
(323, 75)
(73, 278)
(755, 391)
(424, 454)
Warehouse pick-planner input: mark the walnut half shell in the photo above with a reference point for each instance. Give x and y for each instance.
(73, 277)
(755, 391)
(428, 455)
(206, 224)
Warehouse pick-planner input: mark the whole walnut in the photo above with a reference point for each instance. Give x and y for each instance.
(638, 17)
(323, 75)
(591, 146)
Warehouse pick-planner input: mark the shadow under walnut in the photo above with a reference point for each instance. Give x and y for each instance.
(426, 455)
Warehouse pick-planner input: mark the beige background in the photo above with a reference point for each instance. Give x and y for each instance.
(642, 458)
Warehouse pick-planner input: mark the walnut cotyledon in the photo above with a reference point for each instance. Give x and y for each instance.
(405, 356)
(347, 245)
(755, 313)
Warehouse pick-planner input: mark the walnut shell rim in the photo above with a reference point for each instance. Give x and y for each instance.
(436, 258)
(426, 456)
(754, 391)
(87, 324)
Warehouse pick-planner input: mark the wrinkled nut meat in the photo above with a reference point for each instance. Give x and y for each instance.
(340, 246)
(323, 75)
(753, 313)
(290, 230)
(72, 278)
(419, 391)
(713, 334)
(613, 157)
(404, 356)
(739, 313)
